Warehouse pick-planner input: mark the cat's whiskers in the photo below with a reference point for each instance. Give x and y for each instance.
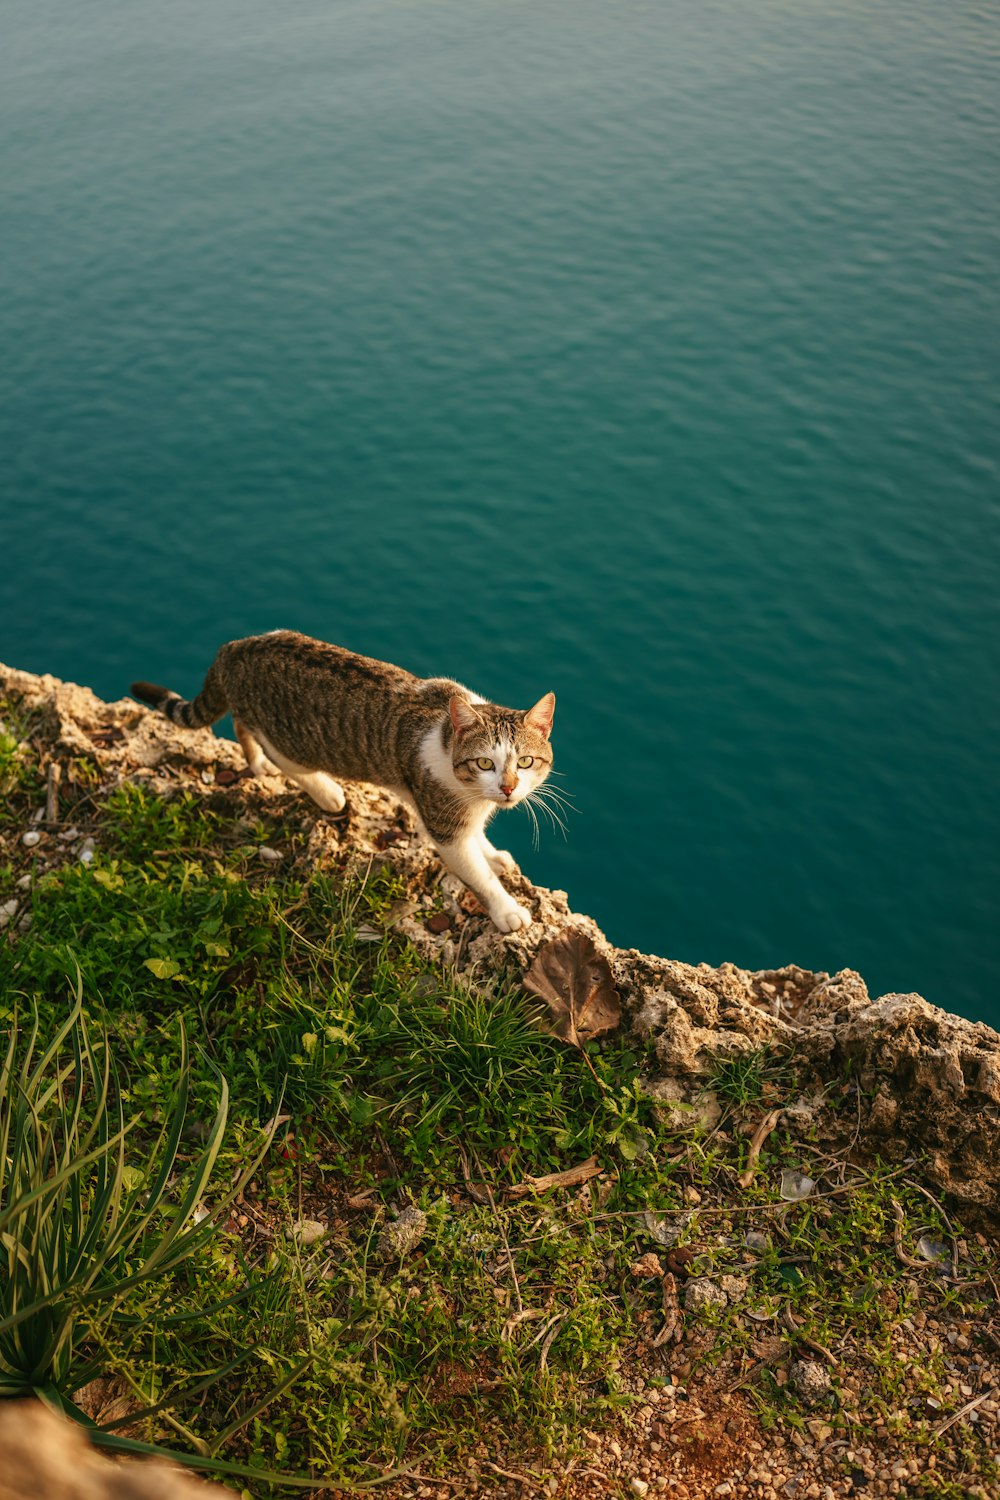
(536, 799)
(535, 831)
(559, 797)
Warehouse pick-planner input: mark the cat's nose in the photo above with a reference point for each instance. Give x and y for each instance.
(507, 787)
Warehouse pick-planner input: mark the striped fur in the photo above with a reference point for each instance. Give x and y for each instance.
(319, 712)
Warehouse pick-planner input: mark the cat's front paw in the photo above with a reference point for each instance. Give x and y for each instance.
(327, 794)
(501, 862)
(512, 918)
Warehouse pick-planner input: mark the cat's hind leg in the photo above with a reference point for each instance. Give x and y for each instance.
(255, 757)
(325, 792)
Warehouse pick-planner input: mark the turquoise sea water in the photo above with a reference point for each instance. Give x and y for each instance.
(645, 352)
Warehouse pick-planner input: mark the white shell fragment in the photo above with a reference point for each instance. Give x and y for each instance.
(795, 1185)
(763, 1312)
(666, 1231)
(268, 855)
(931, 1249)
(31, 838)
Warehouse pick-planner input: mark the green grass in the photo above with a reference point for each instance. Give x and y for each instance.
(395, 1084)
(394, 1077)
(18, 763)
(745, 1078)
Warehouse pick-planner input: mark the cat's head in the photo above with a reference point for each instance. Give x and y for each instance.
(500, 753)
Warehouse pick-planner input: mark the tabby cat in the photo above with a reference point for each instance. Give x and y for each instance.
(318, 712)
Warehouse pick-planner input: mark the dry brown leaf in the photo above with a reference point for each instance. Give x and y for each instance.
(572, 1177)
(576, 983)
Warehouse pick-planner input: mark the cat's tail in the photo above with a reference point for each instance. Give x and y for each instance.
(195, 713)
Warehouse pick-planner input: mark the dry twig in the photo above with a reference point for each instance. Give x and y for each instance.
(52, 777)
(788, 1318)
(897, 1238)
(572, 1177)
(760, 1135)
(964, 1411)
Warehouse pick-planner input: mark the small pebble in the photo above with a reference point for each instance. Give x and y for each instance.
(810, 1380)
(647, 1266)
(306, 1231)
(31, 838)
(701, 1293)
(268, 855)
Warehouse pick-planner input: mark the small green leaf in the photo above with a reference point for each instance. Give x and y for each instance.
(163, 968)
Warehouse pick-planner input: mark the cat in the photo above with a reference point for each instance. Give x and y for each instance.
(318, 712)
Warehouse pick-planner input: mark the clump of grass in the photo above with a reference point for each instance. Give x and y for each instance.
(395, 1077)
(18, 767)
(142, 825)
(90, 1220)
(395, 1084)
(745, 1078)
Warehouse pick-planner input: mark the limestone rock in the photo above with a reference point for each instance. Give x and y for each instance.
(402, 1236)
(702, 1292)
(809, 1380)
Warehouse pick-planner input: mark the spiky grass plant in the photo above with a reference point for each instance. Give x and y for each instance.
(82, 1226)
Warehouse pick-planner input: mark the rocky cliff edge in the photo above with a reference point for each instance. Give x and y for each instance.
(913, 1079)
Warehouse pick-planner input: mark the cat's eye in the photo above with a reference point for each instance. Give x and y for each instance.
(524, 761)
(484, 764)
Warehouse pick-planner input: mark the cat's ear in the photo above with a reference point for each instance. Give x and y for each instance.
(463, 715)
(540, 717)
